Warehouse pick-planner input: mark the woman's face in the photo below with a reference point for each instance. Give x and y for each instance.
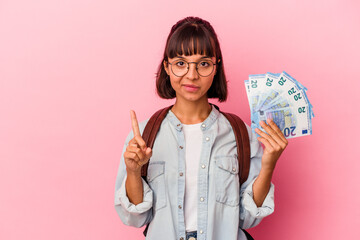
(191, 86)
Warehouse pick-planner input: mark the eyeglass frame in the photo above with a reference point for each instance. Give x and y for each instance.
(189, 67)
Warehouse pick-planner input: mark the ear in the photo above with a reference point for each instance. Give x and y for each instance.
(216, 68)
(166, 67)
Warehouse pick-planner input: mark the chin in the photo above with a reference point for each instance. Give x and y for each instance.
(192, 97)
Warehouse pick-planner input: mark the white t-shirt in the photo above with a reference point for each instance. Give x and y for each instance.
(193, 142)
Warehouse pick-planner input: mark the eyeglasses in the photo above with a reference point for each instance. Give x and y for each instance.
(180, 67)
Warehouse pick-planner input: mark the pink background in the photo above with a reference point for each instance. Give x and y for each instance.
(70, 71)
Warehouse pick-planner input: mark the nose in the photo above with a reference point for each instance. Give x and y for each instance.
(192, 72)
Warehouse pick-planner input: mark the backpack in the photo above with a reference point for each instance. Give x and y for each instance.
(241, 136)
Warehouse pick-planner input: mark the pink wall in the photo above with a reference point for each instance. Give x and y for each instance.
(70, 71)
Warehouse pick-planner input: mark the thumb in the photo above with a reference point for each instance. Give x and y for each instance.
(148, 152)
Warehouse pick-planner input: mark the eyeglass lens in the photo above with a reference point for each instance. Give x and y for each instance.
(204, 67)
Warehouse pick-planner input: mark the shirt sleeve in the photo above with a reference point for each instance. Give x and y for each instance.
(250, 214)
(129, 213)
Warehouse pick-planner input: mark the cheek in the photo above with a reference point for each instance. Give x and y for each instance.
(175, 82)
(210, 82)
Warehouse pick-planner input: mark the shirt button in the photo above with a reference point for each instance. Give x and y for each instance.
(181, 147)
(203, 166)
(179, 206)
(207, 139)
(201, 231)
(202, 199)
(234, 169)
(203, 125)
(181, 174)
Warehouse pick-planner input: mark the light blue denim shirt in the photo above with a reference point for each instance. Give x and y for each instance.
(223, 207)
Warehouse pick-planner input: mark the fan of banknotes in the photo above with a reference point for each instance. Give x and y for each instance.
(280, 97)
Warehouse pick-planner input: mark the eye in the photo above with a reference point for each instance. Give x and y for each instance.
(204, 64)
(180, 63)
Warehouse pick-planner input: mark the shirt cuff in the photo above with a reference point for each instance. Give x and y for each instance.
(122, 199)
(266, 208)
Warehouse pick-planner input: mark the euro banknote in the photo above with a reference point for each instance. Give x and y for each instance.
(282, 98)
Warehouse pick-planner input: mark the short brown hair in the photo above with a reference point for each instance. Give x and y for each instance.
(192, 35)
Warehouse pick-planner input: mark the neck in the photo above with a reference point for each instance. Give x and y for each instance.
(191, 112)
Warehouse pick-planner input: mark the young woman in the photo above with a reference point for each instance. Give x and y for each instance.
(193, 189)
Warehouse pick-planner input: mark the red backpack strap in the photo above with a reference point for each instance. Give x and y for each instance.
(243, 145)
(150, 131)
(149, 134)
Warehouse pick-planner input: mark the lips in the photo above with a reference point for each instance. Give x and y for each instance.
(190, 87)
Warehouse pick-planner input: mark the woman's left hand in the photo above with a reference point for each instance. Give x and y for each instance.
(274, 142)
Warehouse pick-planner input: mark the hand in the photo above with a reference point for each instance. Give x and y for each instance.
(274, 142)
(137, 153)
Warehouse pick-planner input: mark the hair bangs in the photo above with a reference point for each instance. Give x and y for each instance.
(191, 40)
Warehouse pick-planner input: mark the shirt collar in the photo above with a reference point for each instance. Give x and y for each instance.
(206, 124)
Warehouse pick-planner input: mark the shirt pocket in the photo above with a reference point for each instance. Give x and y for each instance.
(156, 181)
(227, 180)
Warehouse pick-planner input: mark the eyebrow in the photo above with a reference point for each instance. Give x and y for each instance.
(199, 58)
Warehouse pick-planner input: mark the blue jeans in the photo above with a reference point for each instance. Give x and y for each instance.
(191, 234)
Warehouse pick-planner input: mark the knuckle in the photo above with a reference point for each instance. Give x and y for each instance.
(132, 141)
(271, 150)
(135, 157)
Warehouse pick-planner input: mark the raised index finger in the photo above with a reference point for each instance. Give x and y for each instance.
(134, 123)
